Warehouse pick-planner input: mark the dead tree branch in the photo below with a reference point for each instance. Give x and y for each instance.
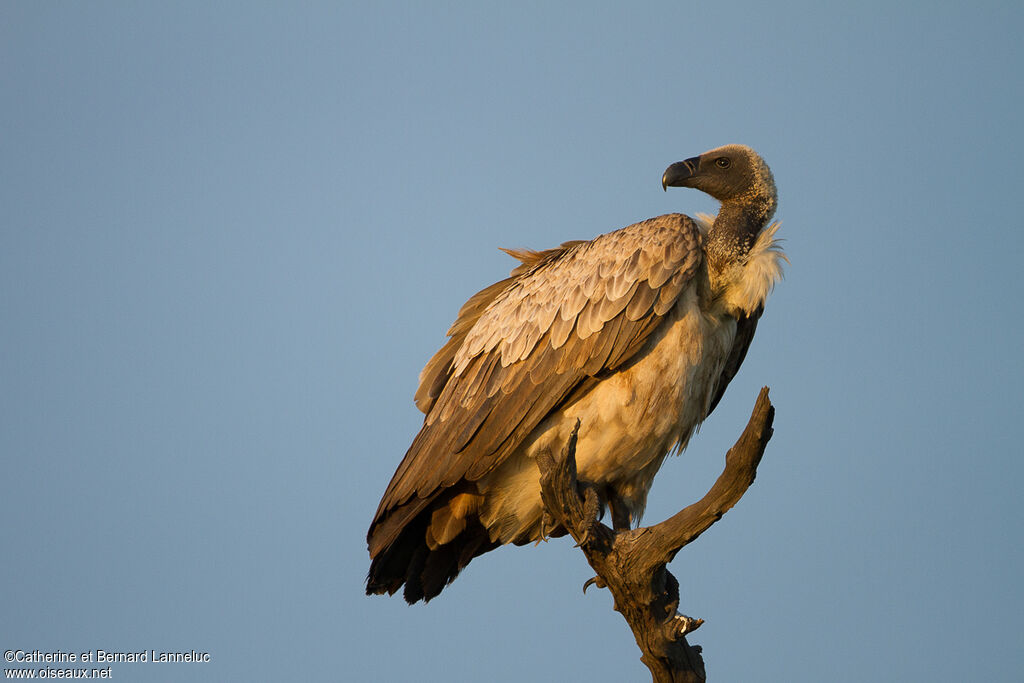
(631, 564)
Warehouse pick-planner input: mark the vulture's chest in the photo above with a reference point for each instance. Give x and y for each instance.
(633, 418)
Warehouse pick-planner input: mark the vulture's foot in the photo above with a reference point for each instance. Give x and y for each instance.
(589, 524)
(594, 581)
(547, 524)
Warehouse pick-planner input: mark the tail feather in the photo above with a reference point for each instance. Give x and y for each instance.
(424, 571)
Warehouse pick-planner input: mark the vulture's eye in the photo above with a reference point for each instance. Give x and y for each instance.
(722, 162)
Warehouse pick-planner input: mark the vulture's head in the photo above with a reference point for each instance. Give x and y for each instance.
(732, 172)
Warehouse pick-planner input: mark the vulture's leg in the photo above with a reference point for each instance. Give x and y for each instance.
(591, 513)
(621, 518)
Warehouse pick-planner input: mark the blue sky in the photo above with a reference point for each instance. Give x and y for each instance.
(233, 233)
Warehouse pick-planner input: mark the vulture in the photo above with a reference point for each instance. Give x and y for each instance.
(635, 333)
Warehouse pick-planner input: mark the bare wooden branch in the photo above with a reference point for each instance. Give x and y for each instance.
(631, 564)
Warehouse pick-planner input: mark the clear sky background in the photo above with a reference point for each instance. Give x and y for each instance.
(231, 234)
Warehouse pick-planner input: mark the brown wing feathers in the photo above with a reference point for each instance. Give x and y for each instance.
(517, 350)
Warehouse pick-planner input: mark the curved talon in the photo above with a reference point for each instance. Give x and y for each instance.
(546, 524)
(594, 581)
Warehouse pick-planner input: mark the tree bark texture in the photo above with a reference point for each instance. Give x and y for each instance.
(632, 563)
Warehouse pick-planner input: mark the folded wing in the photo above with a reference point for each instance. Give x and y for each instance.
(520, 347)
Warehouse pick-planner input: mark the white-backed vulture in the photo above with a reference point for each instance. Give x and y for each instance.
(635, 333)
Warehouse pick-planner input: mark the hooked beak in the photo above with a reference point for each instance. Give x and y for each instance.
(679, 173)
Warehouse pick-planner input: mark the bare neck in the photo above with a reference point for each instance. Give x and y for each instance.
(736, 228)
